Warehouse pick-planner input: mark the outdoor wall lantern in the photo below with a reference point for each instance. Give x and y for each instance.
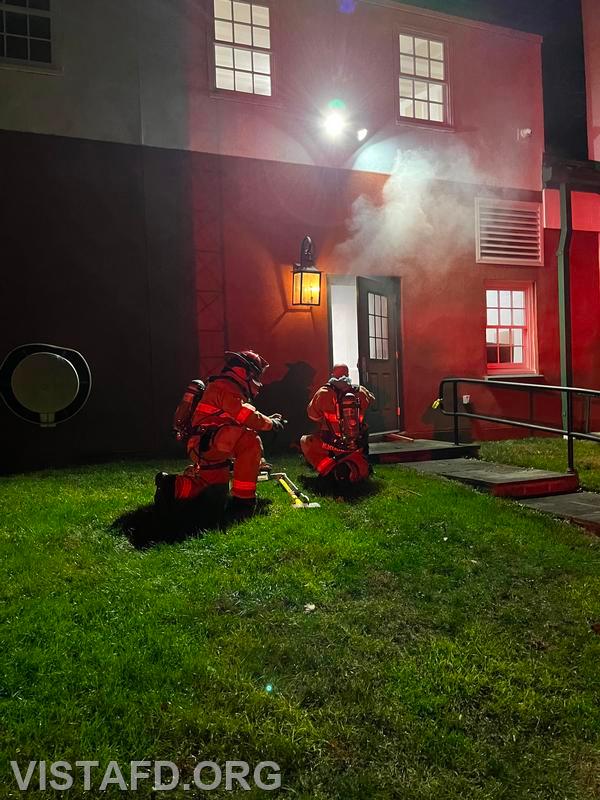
(306, 278)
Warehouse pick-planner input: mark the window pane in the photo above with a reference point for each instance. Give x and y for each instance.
(407, 44)
(223, 31)
(241, 12)
(407, 65)
(261, 37)
(505, 316)
(260, 16)
(518, 299)
(385, 349)
(371, 303)
(492, 316)
(378, 327)
(421, 110)
(243, 60)
(372, 349)
(40, 51)
(43, 5)
(436, 93)
(518, 355)
(2, 24)
(407, 108)
(491, 335)
(16, 23)
(371, 325)
(223, 56)
(492, 355)
(422, 48)
(384, 305)
(406, 87)
(243, 82)
(242, 33)
(420, 90)
(22, 3)
(224, 79)
(491, 298)
(504, 336)
(437, 70)
(517, 336)
(378, 304)
(39, 27)
(262, 63)
(379, 349)
(436, 112)
(505, 355)
(436, 50)
(2, 46)
(518, 316)
(505, 300)
(422, 67)
(16, 47)
(262, 85)
(223, 9)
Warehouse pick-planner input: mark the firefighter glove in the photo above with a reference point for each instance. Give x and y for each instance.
(278, 422)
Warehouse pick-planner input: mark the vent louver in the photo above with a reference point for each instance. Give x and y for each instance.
(509, 232)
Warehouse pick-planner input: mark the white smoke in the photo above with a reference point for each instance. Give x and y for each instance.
(426, 215)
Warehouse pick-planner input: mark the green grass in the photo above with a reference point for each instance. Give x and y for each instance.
(548, 454)
(449, 654)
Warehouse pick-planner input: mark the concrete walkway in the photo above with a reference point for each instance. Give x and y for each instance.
(582, 508)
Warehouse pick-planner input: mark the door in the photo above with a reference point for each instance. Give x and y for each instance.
(378, 349)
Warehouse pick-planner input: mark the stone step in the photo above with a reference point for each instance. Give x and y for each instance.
(581, 508)
(499, 479)
(400, 451)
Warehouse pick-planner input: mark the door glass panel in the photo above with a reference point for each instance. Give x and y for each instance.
(378, 327)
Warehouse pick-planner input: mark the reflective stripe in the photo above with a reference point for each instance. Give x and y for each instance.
(243, 414)
(325, 464)
(244, 484)
(208, 409)
(331, 417)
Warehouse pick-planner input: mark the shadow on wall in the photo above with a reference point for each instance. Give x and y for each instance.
(443, 426)
(289, 397)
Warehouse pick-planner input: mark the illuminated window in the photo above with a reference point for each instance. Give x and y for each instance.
(423, 79)
(378, 327)
(243, 47)
(510, 335)
(26, 31)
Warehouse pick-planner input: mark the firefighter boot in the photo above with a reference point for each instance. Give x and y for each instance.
(241, 508)
(164, 497)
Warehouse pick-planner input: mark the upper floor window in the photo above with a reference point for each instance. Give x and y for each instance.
(243, 47)
(509, 232)
(26, 31)
(423, 79)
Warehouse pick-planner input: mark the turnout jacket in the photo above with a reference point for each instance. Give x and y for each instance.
(224, 402)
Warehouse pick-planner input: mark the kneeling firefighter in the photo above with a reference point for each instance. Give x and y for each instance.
(341, 446)
(220, 425)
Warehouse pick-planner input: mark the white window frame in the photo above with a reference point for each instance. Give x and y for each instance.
(29, 64)
(242, 49)
(529, 364)
(422, 81)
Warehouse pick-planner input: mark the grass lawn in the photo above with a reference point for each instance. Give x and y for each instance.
(545, 453)
(449, 653)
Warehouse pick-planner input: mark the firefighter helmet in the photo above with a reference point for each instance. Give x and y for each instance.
(254, 364)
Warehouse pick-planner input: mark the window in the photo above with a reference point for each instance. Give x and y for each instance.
(26, 31)
(423, 79)
(509, 232)
(242, 47)
(509, 335)
(378, 327)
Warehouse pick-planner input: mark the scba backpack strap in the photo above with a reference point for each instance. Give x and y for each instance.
(184, 413)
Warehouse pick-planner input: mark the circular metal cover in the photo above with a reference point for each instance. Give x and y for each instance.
(45, 383)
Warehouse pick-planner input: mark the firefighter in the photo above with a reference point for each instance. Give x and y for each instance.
(224, 428)
(341, 446)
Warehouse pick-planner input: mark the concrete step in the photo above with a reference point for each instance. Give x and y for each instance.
(499, 479)
(581, 508)
(401, 451)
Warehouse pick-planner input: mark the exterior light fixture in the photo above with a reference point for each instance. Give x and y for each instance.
(306, 278)
(334, 124)
(362, 134)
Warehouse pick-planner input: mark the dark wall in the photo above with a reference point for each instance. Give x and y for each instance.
(95, 258)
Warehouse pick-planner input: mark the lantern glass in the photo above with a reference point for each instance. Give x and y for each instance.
(306, 289)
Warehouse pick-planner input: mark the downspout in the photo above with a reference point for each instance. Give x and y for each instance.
(563, 255)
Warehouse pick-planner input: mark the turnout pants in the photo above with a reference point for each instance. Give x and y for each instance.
(316, 454)
(211, 468)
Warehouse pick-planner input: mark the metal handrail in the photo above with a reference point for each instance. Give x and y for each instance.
(566, 392)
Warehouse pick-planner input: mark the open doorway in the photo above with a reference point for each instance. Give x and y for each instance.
(364, 333)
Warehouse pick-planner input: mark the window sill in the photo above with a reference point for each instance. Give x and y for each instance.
(38, 69)
(443, 127)
(517, 377)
